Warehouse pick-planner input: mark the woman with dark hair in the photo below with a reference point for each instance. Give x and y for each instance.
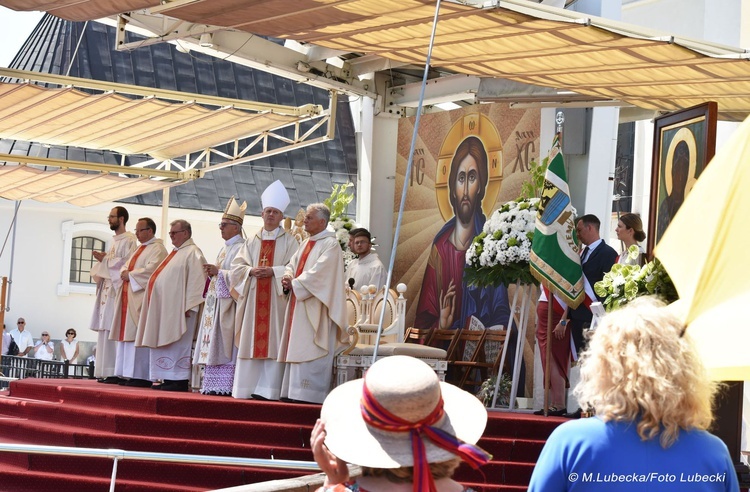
(406, 429)
(630, 231)
(69, 347)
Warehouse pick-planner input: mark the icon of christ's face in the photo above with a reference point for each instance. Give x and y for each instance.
(466, 189)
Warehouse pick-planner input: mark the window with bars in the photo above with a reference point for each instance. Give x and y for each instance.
(82, 258)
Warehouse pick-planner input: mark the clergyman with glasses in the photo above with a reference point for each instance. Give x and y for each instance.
(132, 363)
(171, 310)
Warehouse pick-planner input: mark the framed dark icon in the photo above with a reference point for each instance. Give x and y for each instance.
(684, 143)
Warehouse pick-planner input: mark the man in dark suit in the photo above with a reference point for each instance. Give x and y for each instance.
(597, 259)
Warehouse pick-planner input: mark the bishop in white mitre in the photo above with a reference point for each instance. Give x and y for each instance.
(257, 271)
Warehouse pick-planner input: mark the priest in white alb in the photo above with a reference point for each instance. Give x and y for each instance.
(366, 269)
(171, 310)
(132, 363)
(316, 320)
(214, 347)
(106, 273)
(257, 271)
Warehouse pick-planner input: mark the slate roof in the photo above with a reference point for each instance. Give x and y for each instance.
(308, 173)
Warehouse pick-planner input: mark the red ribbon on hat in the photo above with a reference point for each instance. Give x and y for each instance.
(375, 415)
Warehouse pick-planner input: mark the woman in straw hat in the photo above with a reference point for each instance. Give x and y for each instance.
(652, 398)
(406, 429)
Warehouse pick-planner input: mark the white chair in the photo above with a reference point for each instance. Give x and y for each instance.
(356, 358)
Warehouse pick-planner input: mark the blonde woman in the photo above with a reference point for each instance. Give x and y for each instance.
(629, 230)
(652, 399)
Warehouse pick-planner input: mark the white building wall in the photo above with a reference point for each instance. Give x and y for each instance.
(716, 21)
(38, 259)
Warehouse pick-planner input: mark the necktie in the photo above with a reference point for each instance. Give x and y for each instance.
(584, 255)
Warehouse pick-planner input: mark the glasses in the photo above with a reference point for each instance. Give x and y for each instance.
(45, 334)
(172, 233)
(21, 323)
(222, 225)
(141, 230)
(70, 334)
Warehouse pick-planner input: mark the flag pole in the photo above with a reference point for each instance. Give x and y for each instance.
(559, 120)
(405, 188)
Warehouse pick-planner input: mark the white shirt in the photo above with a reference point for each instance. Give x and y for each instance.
(42, 353)
(23, 339)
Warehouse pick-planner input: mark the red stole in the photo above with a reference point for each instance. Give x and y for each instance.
(124, 305)
(152, 280)
(293, 300)
(263, 302)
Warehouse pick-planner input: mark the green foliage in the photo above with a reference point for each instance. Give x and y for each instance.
(624, 283)
(535, 184)
(487, 276)
(487, 391)
(339, 200)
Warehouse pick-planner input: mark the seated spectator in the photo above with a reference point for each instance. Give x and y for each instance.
(652, 399)
(45, 348)
(406, 429)
(69, 347)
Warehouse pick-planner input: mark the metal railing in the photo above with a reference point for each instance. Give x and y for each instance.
(118, 454)
(14, 367)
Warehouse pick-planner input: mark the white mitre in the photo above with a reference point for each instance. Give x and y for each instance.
(275, 196)
(234, 211)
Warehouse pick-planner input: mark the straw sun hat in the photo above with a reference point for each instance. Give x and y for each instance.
(410, 390)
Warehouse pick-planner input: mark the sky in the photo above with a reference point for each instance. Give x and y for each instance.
(15, 27)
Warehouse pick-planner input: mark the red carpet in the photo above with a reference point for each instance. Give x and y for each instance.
(83, 413)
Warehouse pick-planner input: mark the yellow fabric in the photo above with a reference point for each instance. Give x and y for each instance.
(705, 249)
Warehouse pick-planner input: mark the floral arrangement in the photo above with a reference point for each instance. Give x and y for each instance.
(500, 254)
(487, 391)
(624, 283)
(338, 202)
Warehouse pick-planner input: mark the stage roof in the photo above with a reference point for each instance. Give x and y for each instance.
(512, 39)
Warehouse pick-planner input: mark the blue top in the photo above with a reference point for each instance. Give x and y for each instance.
(591, 455)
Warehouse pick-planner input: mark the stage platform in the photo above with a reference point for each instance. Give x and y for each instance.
(87, 414)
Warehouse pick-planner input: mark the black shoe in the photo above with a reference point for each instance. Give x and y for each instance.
(258, 397)
(175, 385)
(100, 380)
(139, 383)
(551, 412)
(112, 380)
(573, 415)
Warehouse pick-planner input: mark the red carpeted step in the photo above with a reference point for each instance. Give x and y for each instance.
(148, 401)
(207, 477)
(257, 431)
(504, 449)
(21, 480)
(68, 435)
